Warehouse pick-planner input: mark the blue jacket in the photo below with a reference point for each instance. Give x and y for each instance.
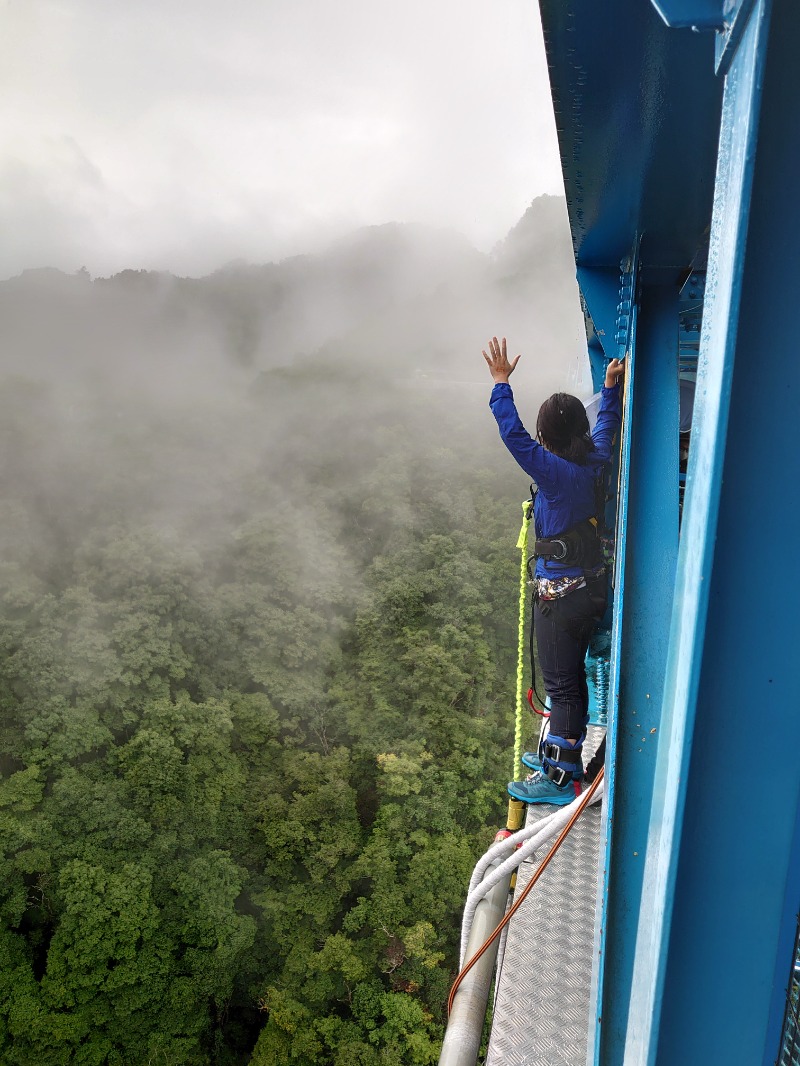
(566, 490)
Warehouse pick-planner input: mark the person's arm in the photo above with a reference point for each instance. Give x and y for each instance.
(530, 455)
(610, 414)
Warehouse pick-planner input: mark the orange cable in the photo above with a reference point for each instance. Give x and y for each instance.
(583, 803)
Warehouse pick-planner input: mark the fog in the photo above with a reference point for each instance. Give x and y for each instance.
(177, 137)
(372, 159)
(150, 399)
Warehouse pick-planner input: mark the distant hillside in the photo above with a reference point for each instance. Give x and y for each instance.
(540, 237)
(394, 294)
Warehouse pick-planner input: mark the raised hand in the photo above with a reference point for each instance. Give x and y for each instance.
(614, 371)
(499, 366)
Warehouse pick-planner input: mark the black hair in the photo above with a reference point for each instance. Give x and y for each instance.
(563, 428)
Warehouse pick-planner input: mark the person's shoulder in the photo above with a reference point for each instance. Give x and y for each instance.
(567, 471)
(595, 461)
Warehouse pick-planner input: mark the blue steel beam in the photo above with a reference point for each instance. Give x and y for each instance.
(646, 552)
(637, 114)
(722, 873)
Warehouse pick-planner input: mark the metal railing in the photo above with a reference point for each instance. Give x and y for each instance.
(462, 1038)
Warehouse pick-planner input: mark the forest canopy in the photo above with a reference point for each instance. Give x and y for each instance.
(257, 644)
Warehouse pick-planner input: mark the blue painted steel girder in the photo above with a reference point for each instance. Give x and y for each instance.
(722, 877)
(637, 111)
(647, 546)
(638, 108)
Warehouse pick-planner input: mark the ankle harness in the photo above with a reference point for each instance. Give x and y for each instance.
(561, 759)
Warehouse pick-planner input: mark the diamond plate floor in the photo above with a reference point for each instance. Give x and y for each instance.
(541, 1011)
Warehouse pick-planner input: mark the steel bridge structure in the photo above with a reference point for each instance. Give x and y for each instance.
(679, 137)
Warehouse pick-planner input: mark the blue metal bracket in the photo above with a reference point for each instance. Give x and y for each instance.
(694, 14)
(607, 300)
(600, 292)
(727, 17)
(728, 41)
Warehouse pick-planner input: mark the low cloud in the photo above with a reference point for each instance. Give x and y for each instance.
(165, 137)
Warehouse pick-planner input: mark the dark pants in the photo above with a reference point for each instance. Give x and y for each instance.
(563, 627)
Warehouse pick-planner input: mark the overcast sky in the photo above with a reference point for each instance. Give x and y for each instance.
(181, 134)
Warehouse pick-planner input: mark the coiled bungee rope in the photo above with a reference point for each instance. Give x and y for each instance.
(522, 544)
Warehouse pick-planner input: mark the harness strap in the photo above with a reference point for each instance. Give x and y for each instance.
(561, 754)
(557, 774)
(550, 549)
(579, 546)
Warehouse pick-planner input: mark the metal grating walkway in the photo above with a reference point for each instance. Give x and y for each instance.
(790, 1040)
(548, 955)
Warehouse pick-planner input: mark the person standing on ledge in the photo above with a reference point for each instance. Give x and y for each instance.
(566, 462)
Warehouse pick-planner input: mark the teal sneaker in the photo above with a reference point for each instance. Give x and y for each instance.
(540, 789)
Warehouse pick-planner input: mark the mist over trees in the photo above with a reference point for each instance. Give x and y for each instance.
(258, 598)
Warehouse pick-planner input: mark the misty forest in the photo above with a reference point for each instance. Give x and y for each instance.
(259, 596)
